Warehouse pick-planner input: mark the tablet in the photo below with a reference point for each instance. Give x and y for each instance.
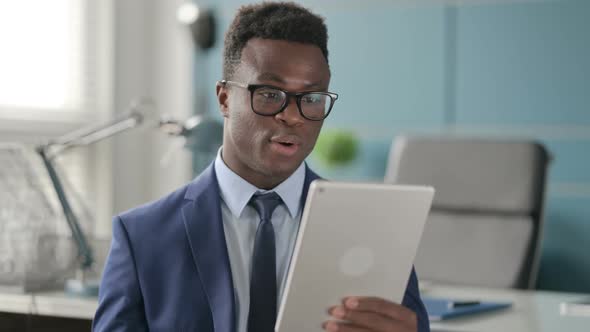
(356, 239)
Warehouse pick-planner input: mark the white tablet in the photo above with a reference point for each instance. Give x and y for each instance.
(355, 239)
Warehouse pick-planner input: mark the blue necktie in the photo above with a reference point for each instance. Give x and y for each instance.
(263, 280)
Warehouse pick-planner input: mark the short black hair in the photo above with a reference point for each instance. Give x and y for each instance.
(272, 20)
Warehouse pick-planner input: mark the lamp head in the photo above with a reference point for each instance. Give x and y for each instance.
(201, 23)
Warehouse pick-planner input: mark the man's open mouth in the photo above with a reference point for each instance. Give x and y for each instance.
(286, 140)
(286, 145)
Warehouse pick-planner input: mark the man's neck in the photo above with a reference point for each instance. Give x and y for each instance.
(257, 179)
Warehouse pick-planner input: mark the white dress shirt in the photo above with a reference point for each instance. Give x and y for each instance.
(240, 222)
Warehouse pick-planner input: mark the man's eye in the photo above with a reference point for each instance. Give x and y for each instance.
(270, 95)
(311, 99)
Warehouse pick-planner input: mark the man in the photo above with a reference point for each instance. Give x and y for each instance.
(213, 255)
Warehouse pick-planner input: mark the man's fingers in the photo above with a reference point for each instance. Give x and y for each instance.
(366, 320)
(377, 305)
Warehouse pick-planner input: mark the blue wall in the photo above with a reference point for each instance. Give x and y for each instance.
(524, 69)
(517, 69)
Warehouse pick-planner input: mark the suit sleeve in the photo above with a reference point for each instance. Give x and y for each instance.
(120, 304)
(413, 301)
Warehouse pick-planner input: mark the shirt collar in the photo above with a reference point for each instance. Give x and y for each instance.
(236, 192)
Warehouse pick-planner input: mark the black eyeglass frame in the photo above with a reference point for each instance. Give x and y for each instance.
(296, 95)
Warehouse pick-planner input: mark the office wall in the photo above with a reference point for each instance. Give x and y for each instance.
(151, 58)
(517, 69)
(523, 69)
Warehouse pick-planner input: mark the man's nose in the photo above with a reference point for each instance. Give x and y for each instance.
(291, 115)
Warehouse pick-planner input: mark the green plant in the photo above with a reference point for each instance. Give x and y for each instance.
(336, 147)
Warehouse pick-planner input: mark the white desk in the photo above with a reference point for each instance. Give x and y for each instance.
(55, 304)
(534, 311)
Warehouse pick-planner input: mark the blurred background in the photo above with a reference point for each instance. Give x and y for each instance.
(509, 69)
(503, 69)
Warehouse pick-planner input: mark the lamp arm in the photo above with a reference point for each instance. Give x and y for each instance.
(140, 111)
(84, 250)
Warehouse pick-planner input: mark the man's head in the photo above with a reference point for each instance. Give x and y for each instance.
(272, 20)
(281, 45)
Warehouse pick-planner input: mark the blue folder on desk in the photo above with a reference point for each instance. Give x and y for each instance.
(441, 309)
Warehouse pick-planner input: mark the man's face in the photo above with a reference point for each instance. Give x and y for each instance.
(265, 150)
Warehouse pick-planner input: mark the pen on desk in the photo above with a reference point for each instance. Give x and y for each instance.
(459, 304)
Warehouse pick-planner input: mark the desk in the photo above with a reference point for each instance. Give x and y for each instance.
(534, 311)
(55, 304)
(44, 312)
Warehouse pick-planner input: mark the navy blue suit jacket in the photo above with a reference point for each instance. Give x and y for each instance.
(168, 267)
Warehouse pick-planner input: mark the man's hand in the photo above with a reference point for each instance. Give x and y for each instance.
(371, 314)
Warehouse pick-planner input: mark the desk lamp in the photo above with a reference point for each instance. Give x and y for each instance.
(141, 112)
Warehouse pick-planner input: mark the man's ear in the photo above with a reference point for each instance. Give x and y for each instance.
(222, 99)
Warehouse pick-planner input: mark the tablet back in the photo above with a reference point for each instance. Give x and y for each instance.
(354, 239)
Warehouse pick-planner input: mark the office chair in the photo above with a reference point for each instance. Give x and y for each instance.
(486, 221)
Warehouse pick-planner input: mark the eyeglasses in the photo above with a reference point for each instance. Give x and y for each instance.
(268, 100)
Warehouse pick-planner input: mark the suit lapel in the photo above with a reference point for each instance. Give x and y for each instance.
(204, 227)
